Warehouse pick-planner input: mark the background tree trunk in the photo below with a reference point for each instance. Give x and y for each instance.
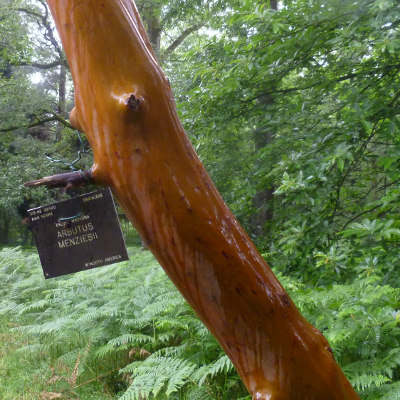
(62, 99)
(263, 201)
(153, 24)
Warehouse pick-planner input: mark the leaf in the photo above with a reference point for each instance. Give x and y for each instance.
(340, 163)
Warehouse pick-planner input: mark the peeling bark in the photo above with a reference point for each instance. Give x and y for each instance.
(68, 180)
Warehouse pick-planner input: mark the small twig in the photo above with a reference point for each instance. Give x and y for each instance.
(99, 377)
(62, 121)
(384, 187)
(68, 180)
(359, 215)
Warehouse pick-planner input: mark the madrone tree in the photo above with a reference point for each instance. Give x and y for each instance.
(124, 104)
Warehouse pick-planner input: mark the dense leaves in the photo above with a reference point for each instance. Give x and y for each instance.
(319, 83)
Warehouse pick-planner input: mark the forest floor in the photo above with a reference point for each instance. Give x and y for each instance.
(29, 373)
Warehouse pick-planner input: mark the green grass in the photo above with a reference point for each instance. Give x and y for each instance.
(41, 376)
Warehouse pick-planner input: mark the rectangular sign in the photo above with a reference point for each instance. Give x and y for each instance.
(78, 234)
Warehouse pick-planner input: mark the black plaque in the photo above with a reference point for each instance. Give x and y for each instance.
(78, 234)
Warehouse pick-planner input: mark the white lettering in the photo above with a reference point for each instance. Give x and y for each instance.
(112, 258)
(75, 240)
(89, 198)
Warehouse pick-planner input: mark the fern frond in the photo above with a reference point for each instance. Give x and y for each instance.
(131, 339)
(199, 393)
(363, 382)
(177, 380)
(222, 365)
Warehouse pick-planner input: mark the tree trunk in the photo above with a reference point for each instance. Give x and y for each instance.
(62, 99)
(5, 228)
(263, 201)
(153, 24)
(125, 106)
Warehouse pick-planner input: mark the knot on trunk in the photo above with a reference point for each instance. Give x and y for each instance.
(132, 102)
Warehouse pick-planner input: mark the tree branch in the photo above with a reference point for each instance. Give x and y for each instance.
(40, 66)
(359, 215)
(49, 31)
(55, 117)
(30, 12)
(68, 180)
(172, 47)
(337, 80)
(63, 121)
(299, 88)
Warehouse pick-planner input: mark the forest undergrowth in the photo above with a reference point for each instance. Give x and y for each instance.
(124, 332)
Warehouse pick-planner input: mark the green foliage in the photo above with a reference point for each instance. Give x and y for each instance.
(127, 317)
(361, 322)
(318, 82)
